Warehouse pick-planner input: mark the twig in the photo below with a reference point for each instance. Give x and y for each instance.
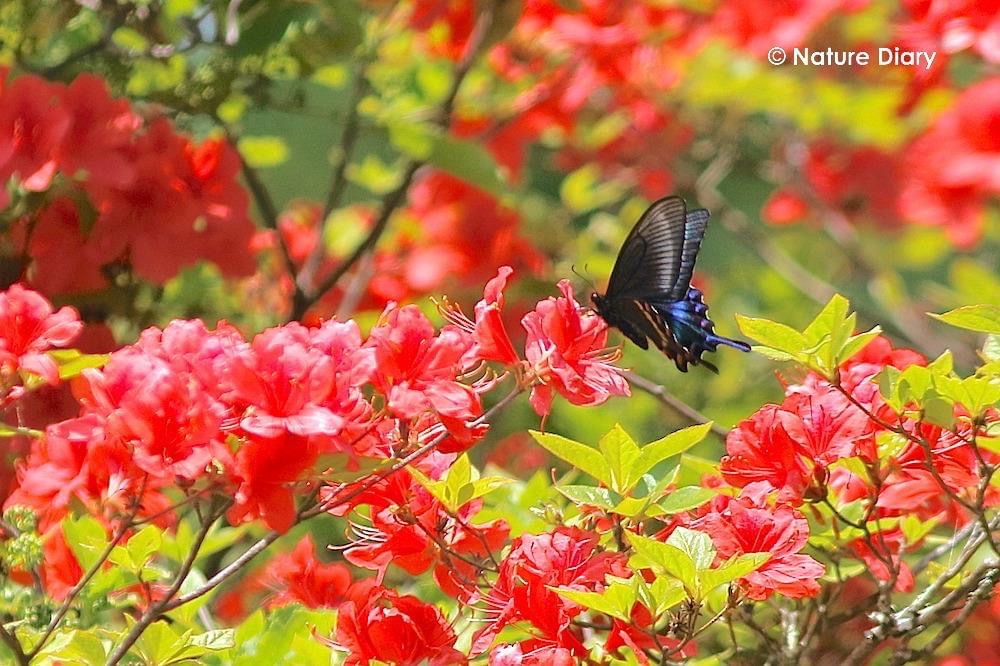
(338, 181)
(673, 402)
(15, 646)
(303, 301)
(67, 603)
(156, 610)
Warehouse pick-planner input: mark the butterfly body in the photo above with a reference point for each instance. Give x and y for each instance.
(650, 296)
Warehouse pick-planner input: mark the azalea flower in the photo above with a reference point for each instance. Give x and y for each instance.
(28, 328)
(566, 350)
(380, 624)
(750, 524)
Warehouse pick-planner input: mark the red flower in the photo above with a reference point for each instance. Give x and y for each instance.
(566, 557)
(409, 527)
(60, 568)
(748, 524)
(29, 327)
(784, 207)
(566, 350)
(488, 330)
(33, 125)
(954, 166)
(759, 450)
(418, 373)
(490, 334)
(299, 577)
(76, 461)
(890, 545)
(380, 624)
(861, 183)
(101, 129)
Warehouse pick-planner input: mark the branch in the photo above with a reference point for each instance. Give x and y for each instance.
(67, 603)
(673, 402)
(156, 610)
(10, 640)
(338, 182)
(302, 301)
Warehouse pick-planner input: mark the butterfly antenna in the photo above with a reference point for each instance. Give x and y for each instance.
(593, 287)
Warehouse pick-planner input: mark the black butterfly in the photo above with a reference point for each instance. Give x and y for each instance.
(650, 293)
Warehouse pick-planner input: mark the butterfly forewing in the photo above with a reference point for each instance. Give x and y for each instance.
(650, 260)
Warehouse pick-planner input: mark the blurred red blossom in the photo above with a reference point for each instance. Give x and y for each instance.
(298, 577)
(28, 328)
(953, 169)
(145, 185)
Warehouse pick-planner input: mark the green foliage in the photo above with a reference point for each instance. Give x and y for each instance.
(688, 557)
(460, 485)
(822, 346)
(982, 318)
(623, 469)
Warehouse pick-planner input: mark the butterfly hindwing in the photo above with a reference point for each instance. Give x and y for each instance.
(649, 295)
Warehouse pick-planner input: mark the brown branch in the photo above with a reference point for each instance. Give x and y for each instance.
(338, 181)
(67, 603)
(10, 640)
(156, 610)
(680, 407)
(303, 301)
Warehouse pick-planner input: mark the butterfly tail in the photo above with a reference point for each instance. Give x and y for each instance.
(695, 330)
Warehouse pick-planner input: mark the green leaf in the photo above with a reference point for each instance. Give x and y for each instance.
(733, 569)
(586, 189)
(616, 600)
(697, 545)
(620, 453)
(469, 161)
(675, 443)
(589, 495)
(664, 559)
(982, 318)
(218, 639)
(262, 152)
(579, 455)
(856, 343)
(685, 499)
(144, 543)
(779, 341)
(829, 321)
(86, 538)
(71, 362)
(73, 648)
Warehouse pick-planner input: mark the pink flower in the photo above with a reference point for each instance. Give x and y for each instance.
(748, 524)
(418, 373)
(29, 327)
(566, 349)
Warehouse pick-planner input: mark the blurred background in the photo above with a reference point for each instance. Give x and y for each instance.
(396, 151)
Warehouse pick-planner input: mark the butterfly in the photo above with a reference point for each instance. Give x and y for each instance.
(650, 296)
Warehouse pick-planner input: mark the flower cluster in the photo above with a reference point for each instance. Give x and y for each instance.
(565, 350)
(119, 188)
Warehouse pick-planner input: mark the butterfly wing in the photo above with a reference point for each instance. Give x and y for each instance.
(651, 257)
(695, 224)
(650, 295)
